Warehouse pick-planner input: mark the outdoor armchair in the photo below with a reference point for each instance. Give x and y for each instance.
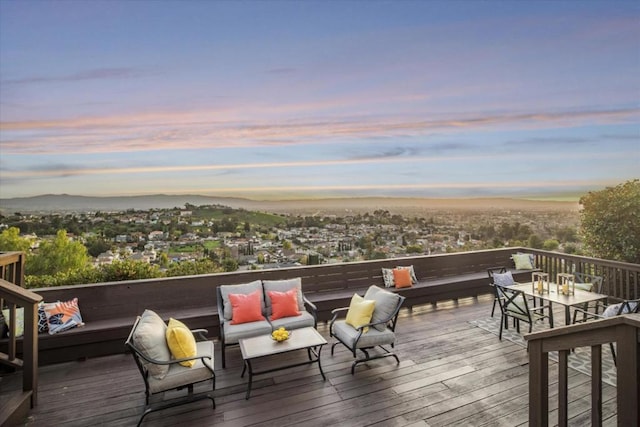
(378, 332)
(148, 344)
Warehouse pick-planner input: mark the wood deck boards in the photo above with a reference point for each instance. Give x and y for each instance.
(451, 373)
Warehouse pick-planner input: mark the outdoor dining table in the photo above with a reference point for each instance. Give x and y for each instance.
(579, 297)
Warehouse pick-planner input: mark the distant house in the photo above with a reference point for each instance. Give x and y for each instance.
(156, 235)
(106, 258)
(139, 256)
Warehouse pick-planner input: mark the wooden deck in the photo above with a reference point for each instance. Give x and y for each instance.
(451, 373)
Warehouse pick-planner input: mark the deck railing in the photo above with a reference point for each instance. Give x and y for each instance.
(621, 280)
(623, 330)
(13, 295)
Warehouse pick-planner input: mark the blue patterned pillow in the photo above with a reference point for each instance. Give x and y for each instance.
(63, 315)
(43, 325)
(387, 277)
(503, 279)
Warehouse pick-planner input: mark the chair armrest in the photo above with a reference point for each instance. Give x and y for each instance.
(381, 322)
(540, 307)
(587, 315)
(311, 307)
(335, 312)
(165, 362)
(186, 359)
(201, 333)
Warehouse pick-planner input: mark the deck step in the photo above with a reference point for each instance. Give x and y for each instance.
(15, 408)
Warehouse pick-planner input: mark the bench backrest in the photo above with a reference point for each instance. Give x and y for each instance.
(103, 301)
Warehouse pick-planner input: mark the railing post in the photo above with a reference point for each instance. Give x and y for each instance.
(563, 387)
(596, 385)
(538, 385)
(628, 361)
(30, 352)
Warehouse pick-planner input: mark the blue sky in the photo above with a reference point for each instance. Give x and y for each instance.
(290, 99)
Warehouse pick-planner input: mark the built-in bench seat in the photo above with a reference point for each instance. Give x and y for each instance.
(424, 292)
(110, 309)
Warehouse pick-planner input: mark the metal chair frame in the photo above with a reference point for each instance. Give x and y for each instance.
(630, 306)
(139, 357)
(390, 323)
(491, 271)
(513, 303)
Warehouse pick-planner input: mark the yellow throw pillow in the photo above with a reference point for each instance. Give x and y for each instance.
(360, 311)
(181, 342)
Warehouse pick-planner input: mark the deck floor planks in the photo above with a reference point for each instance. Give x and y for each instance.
(451, 373)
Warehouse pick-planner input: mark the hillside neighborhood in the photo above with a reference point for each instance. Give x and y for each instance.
(256, 240)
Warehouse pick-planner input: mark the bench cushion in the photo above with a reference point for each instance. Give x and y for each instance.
(233, 333)
(373, 337)
(179, 375)
(296, 322)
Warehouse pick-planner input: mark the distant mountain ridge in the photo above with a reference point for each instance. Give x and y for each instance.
(70, 203)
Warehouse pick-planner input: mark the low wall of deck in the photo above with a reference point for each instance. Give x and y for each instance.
(109, 309)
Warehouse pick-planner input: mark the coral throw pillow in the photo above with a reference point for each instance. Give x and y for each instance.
(402, 277)
(246, 308)
(284, 304)
(181, 341)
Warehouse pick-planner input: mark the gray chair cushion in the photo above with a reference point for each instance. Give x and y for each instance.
(295, 322)
(178, 375)
(282, 286)
(245, 289)
(347, 334)
(503, 279)
(233, 333)
(149, 337)
(386, 304)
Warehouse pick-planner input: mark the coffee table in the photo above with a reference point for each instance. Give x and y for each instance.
(300, 339)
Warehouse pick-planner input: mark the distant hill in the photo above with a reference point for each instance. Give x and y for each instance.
(69, 203)
(335, 206)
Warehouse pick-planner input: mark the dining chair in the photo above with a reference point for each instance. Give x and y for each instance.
(590, 283)
(514, 305)
(491, 271)
(631, 306)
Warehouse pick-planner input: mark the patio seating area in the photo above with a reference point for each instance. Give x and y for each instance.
(451, 372)
(453, 368)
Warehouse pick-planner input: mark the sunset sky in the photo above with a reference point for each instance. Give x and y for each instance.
(290, 99)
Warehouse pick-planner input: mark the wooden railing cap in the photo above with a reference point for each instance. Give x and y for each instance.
(15, 293)
(625, 319)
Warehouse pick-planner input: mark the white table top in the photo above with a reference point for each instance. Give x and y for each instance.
(580, 296)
